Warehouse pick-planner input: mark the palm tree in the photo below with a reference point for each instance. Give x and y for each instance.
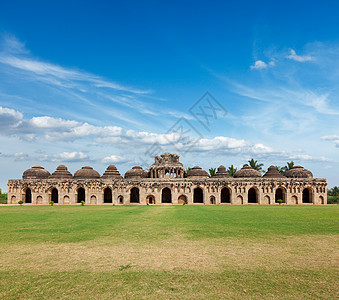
(212, 171)
(289, 166)
(255, 165)
(231, 170)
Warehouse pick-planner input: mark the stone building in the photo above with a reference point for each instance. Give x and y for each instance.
(167, 182)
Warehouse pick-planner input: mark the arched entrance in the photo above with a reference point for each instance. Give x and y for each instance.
(307, 196)
(166, 196)
(55, 195)
(108, 195)
(150, 199)
(212, 200)
(28, 196)
(280, 194)
(182, 199)
(252, 195)
(121, 200)
(134, 195)
(321, 200)
(198, 196)
(81, 195)
(225, 195)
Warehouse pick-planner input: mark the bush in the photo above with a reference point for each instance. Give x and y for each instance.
(51, 203)
(332, 199)
(280, 201)
(82, 203)
(20, 202)
(3, 198)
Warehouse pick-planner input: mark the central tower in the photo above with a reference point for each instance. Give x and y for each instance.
(167, 166)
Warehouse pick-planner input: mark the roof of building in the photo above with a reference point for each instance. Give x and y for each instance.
(221, 172)
(111, 172)
(273, 172)
(247, 171)
(35, 172)
(298, 172)
(61, 172)
(86, 172)
(136, 172)
(197, 172)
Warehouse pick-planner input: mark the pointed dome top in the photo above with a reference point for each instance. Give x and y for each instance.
(221, 173)
(273, 172)
(111, 172)
(61, 172)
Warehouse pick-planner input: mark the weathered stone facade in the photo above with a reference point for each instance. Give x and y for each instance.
(167, 182)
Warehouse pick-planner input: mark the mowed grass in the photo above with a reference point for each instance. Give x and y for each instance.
(176, 252)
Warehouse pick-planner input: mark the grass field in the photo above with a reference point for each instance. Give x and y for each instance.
(176, 252)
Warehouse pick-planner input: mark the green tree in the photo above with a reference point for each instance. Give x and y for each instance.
(231, 170)
(333, 191)
(212, 171)
(289, 166)
(255, 165)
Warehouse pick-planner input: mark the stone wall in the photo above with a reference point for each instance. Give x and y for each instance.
(181, 189)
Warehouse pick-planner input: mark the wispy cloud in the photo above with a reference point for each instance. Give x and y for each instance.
(333, 138)
(300, 58)
(259, 64)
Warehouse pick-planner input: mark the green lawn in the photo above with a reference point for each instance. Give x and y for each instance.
(190, 252)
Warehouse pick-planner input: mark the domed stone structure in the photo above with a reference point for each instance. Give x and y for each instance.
(86, 172)
(167, 183)
(273, 172)
(36, 172)
(221, 173)
(197, 172)
(136, 172)
(111, 172)
(298, 172)
(247, 172)
(61, 172)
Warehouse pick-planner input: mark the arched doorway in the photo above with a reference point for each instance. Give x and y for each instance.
(212, 200)
(182, 199)
(81, 195)
(198, 196)
(306, 196)
(321, 200)
(55, 195)
(240, 200)
(121, 200)
(150, 199)
(252, 195)
(225, 195)
(108, 195)
(166, 196)
(134, 195)
(280, 194)
(28, 196)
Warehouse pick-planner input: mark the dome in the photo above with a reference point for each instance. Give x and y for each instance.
(86, 172)
(36, 172)
(136, 172)
(221, 173)
(247, 171)
(111, 172)
(61, 172)
(197, 172)
(298, 172)
(273, 172)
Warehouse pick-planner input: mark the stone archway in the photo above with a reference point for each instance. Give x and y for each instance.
(280, 194)
(28, 196)
(225, 195)
(252, 195)
(108, 198)
(321, 200)
(166, 195)
(266, 199)
(307, 196)
(294, 199)
(198, 195)
(182, 199)
(212, 200)
(240, 199)
(55, 195)
(134, 195)
(150, 199)
(93, 200)
(81, 195)
(121, 200)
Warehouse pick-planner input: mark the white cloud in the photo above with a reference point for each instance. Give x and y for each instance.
(334, 138)
(259, 64)
(65, 157)
(112, 159)
(293, 55)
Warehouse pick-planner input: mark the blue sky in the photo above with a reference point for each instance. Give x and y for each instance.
(103, 82)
